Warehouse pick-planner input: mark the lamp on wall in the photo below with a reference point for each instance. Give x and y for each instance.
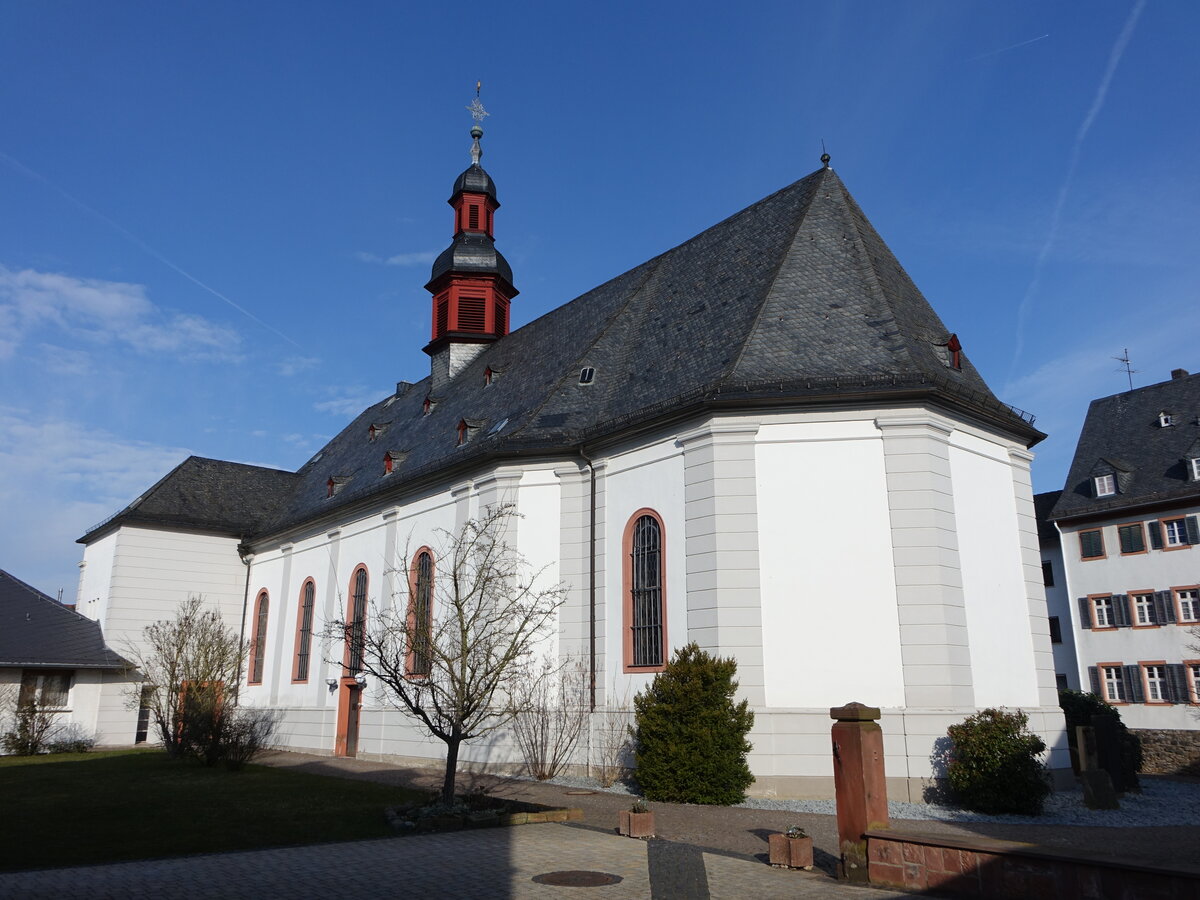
(360, 678)
(332, 682)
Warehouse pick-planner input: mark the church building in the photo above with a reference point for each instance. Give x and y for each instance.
(763, 440)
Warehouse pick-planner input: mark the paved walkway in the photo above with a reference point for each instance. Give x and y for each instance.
(481, 865)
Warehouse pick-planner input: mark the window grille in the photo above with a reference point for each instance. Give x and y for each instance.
(306, 617)
(421, 638)
(358, 620)
(647, 593)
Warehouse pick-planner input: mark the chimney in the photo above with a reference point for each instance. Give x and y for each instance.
(1176, 374)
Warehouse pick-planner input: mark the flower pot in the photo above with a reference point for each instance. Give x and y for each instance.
(791, 852)
(637, 825)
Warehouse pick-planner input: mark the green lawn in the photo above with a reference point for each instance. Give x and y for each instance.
(74, 809)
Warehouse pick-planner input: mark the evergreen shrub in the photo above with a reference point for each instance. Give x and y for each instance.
(1079, 707)
(995, 764)
(690, 736)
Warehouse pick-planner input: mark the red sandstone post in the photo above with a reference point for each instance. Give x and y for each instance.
(858, 779)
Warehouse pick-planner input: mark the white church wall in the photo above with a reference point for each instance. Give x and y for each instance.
(830, 628)
(153, 571)
(647, 477)
(1003, 669)
(95, 577)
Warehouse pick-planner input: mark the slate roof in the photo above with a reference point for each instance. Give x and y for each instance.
(795, 300)
(206, 495)
(38, 631)
(1122, 434)
(1042, 504)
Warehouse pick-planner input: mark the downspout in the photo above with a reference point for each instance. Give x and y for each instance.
(591, 582)
(246, 557)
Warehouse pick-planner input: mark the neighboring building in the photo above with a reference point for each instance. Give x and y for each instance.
(1128, 521)
(763, 440)
(1058, 598)
(52, 654)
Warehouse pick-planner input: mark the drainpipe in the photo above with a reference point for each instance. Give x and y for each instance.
(246, 557)
(591, 582)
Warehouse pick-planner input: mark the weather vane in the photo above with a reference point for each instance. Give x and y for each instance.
(476, 108)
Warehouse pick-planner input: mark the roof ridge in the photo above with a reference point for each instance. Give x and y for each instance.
(871, 276)
(762, 308)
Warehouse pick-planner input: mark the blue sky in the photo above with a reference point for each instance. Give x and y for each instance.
(216, 219)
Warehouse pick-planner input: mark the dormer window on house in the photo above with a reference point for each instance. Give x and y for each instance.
(954, 352)
(375, 430)
(587, 375)
(334, 485)
(1105, 485)
(1165, 419)
(467, 429)
(1193, 466)
(490, 375)
(427, 406)
(391, 459)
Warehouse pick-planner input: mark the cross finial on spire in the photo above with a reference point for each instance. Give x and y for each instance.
(477, 113)
(824, 154)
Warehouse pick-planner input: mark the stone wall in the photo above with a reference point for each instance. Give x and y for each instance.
(979, 867)
(1169, 752)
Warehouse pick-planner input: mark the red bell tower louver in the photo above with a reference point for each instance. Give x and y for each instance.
(471, 281)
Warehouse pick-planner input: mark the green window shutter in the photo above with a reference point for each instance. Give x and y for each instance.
(1193, 530)
(1085, 612)
(1133, 684)
(1164, 607)
(1155, 534)
(1094, 678)
(1091, 544)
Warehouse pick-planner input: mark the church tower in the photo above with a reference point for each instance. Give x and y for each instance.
(471, 281)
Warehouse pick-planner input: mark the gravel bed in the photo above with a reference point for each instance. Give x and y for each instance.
(1159, 803)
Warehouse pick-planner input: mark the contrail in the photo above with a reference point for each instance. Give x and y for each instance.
(1041, 37)
(133, 238)
(1114, 58)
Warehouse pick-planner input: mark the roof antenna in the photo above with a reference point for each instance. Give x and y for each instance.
(1129, 371)
(824, 155)
(477, 113)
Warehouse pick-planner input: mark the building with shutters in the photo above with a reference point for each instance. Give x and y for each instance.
(763, 440)
(1128, 521)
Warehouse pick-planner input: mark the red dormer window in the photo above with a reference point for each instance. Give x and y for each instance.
(387, 464)
(426, 407)
(329, 488)
(489, 375)
(372, 433)
(462, 432)
(954, 348)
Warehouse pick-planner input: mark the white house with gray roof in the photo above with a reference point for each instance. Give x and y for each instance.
(51, 654)
(769, 420)
(1131, 549)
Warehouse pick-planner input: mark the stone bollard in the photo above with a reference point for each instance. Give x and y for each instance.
(858, 779)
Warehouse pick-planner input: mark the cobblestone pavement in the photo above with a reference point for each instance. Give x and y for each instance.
(491, 863)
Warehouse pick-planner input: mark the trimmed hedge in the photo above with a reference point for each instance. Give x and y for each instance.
(995, 764)
(690, 736)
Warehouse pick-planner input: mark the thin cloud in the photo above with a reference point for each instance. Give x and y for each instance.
(294, 365)
(1114, 58)
(1041, 37)
(137, 241)
(346, 402)
(99, 312)
(419, 258)
(64, 360)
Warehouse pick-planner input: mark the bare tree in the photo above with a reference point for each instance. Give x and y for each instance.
(27, 724)
(450, 657)
(187, 664)
(613, 745)
(550, 712)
